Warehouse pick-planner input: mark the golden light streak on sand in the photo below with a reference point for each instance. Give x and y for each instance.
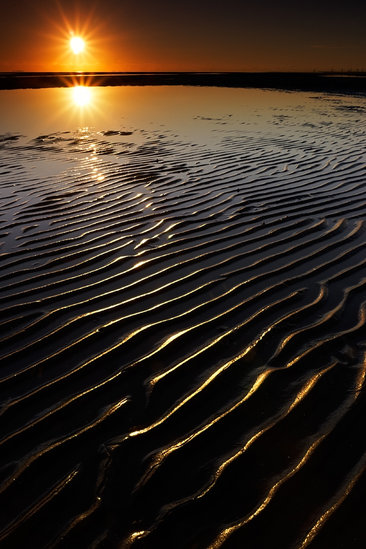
(216, 373)
(163, 454)
(299, 397)
(225, 334)
(28, 460)
(223, 536)
(55, 490)
(133, 537)
(341, 495)
(228, 531)
(322, 520)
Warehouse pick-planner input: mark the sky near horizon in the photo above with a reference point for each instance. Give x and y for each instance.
(197, 35)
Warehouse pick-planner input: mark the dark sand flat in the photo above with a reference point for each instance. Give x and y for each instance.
(183, 334)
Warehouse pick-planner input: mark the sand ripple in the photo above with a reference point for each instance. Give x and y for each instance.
(183, 339)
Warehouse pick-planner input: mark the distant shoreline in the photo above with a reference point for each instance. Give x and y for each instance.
(349, 83)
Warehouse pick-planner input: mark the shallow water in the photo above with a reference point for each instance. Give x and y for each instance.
(183, 318)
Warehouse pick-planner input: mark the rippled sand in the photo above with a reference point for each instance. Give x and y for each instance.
(183, 331)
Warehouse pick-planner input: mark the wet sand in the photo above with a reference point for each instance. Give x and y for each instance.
(183, 334)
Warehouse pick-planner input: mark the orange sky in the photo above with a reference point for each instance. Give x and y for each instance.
(198, 35)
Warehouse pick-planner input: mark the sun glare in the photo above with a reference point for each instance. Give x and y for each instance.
(77, 44)
(81, 95)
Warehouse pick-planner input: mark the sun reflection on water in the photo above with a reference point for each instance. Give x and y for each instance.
(81, 96)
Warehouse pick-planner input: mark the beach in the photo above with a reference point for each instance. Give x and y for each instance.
(183, 317)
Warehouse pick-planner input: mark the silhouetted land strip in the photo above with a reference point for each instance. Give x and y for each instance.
(328, 82)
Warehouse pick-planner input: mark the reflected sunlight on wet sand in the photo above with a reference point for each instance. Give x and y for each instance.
(183, 317)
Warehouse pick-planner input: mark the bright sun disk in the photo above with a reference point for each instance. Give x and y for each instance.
(77, 44)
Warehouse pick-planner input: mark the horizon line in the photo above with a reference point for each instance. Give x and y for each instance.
(88, 72)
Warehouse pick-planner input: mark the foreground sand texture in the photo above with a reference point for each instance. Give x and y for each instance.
(183, 334)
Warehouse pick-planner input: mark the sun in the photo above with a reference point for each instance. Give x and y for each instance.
(77, 44)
